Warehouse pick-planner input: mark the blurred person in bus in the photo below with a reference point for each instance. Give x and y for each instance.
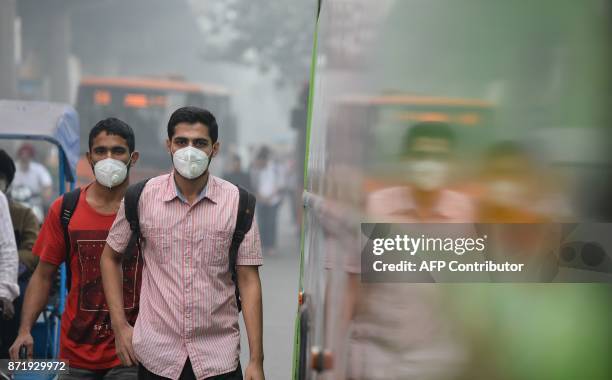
(399, 330)
(234, 173)
(188, 323)
(424, 196)
(25, 226)
(9, 264)
(87, 340)
(516, 189)
(520, 203)
(33, 176)
(268, 187)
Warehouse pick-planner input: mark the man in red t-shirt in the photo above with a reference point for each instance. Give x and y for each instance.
(87, 341)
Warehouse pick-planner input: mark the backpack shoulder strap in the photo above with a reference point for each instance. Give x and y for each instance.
(69, 203)
(131, 200)
(244, 220)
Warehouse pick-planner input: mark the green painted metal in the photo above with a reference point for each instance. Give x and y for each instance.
(313, 64)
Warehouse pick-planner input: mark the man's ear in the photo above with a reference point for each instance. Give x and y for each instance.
(135, 157)
(216, 147)
(88, 156)
(169, 146)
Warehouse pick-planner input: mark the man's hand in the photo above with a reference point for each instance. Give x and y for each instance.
(123, 345)
(8, 311)
(254, 371)
(23, 339)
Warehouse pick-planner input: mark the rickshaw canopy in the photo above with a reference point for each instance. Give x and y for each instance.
(56, 123)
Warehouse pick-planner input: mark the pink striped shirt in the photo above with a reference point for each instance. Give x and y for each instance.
(187, 302)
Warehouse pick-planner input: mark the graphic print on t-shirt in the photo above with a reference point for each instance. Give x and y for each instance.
(92, 321)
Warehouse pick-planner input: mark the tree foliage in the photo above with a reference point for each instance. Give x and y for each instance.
(272, 35)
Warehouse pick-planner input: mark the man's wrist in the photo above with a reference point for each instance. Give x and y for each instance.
(24, 330)
(256, 359)
(119, 324)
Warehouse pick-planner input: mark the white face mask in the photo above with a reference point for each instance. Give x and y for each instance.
(190, 162)
(428, 175)
(506, 193)
(110, 172)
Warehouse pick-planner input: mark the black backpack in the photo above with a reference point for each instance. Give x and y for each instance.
(244, 220)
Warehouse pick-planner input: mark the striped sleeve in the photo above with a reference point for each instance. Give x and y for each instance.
(250, 252)
(120, 233)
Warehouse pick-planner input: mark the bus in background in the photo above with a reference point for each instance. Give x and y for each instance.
(146, 104)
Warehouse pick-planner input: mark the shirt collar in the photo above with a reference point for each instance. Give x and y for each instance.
(210, 191)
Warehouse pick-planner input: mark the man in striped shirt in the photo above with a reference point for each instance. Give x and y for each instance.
(188, 322)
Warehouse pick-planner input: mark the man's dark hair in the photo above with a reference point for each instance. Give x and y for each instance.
(264, 153)
(193, 115)
(7, 167)
(431, 129)
(113, 126)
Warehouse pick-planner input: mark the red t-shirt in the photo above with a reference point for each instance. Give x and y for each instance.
(87, 340)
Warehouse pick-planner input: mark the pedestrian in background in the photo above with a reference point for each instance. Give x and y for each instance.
(35, 177)
(234, 173)
(268, 187)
